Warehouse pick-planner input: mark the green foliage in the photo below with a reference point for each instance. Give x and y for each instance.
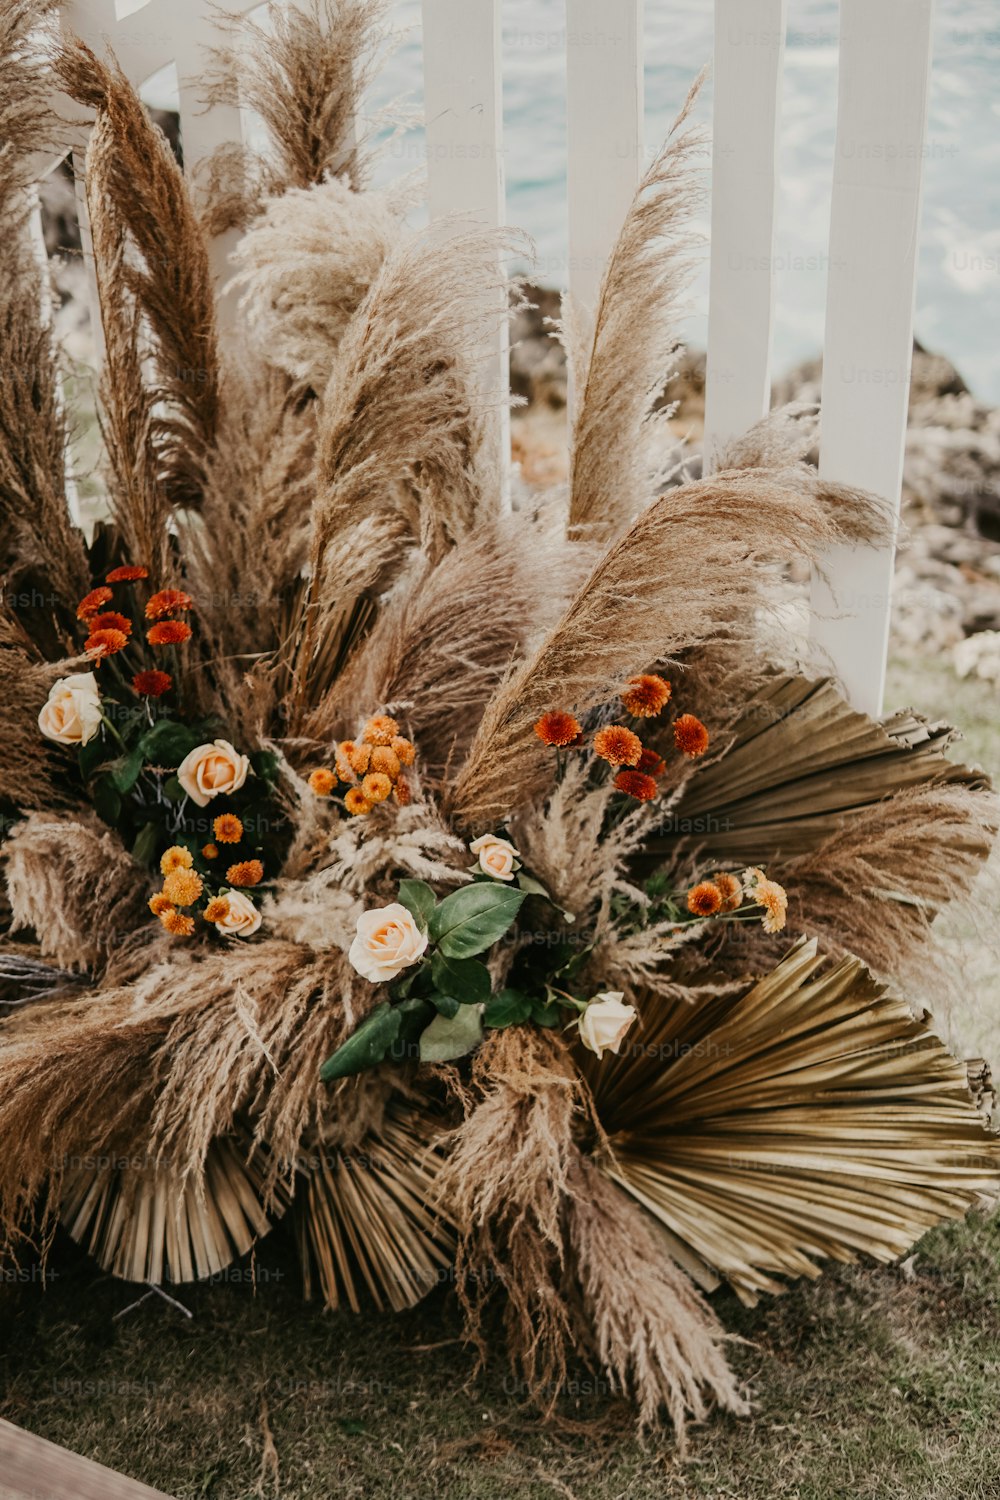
(472, 919)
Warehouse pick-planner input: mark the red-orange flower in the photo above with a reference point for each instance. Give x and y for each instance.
(247, 872)
(636, 784)
(128, 573)
(167, 602)
(110, 619)
(651, 763)
(106, 642)
(152, 684)
(402, 792)
(92, 602)
(646, 695)
(169, 633)
(210, 851)
(731, 890)
(690, 736)
(618, 745)
(704, 899)
(558, 729)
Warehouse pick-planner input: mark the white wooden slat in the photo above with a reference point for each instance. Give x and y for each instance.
(606, 142)
(885, 55)
(463, 108)
(747, 74)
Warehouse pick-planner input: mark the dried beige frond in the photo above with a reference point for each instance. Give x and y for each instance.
(619, 366)
(32, 773)
(811, 1117)
(170, 279)
(687, 572)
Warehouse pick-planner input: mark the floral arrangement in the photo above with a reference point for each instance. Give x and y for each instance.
(430, 925)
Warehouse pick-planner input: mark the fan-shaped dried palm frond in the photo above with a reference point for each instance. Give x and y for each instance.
(170, 279)
(811, 1117)
(688, 571)
(619, 366)
(144, 1223)
(373, 1218)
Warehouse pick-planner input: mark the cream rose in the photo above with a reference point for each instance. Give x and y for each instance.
(605, 1021)
(212, 771)
(72, 713)
(242, 918)
(496, 856)
(388, 942)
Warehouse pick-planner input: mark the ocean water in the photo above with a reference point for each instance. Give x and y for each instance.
(958, 293)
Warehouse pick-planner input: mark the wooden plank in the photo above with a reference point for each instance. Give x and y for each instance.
(606, 142)
(33, 1469)
(749, 53)
(463, 107)
(885, 55)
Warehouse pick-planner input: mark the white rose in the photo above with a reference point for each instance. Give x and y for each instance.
(212, 771)
(605, 1021)
(72, 714)
(242, 918)
(496, 856)
(388, 942)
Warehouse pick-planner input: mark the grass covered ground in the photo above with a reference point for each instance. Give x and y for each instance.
(868, 1384)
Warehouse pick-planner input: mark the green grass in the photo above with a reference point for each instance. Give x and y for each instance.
(871, 1384)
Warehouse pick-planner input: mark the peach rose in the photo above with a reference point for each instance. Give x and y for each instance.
(242, 918)
(388, 942)
(72, 712)
(496, 856)
(605, 1021)
(212, 771)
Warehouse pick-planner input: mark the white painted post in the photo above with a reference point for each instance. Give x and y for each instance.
(463, 106)
(749, 53)
(604, 121)
(885, 52)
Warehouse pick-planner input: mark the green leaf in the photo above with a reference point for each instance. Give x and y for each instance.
(415, 1015)
(546, 1013)
(532, 887)
(473, 919)
(465, 978)
(417, 977)
(265, 764)
(445, 1039)
(506, 1009)
(445, 1005)
(419, 900)
(91, 755)
(107, 802)
(144, 848)
(167, 742)
(173, 791)
(125, 770)
(366, 1047)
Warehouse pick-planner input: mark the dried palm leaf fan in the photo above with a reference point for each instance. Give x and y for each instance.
(320, 502)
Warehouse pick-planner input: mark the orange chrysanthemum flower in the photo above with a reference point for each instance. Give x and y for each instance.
(651, 763)
(177, 923)
(359, 758)
(210, 851)
(380, 731)
(376, 786)
(322, 782)
(646, 695)
(110, 619)
(92, 602)
(557, 729)
(128, 573)
(342, 760)
(175, 858)
(403, 792)
(618, 745)
(167, 602)
(106, 642)
(636, 784)
(227, 828)
(405, 749)
(247, 872)
(160, 903)
(704, 899)
(731, 890)
(152, 684)
(183, 887)
(385, 761)
(356, 802)
(217, 909)
(690, 736)
(169, 633)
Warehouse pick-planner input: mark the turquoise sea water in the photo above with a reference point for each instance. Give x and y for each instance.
(958, 296)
